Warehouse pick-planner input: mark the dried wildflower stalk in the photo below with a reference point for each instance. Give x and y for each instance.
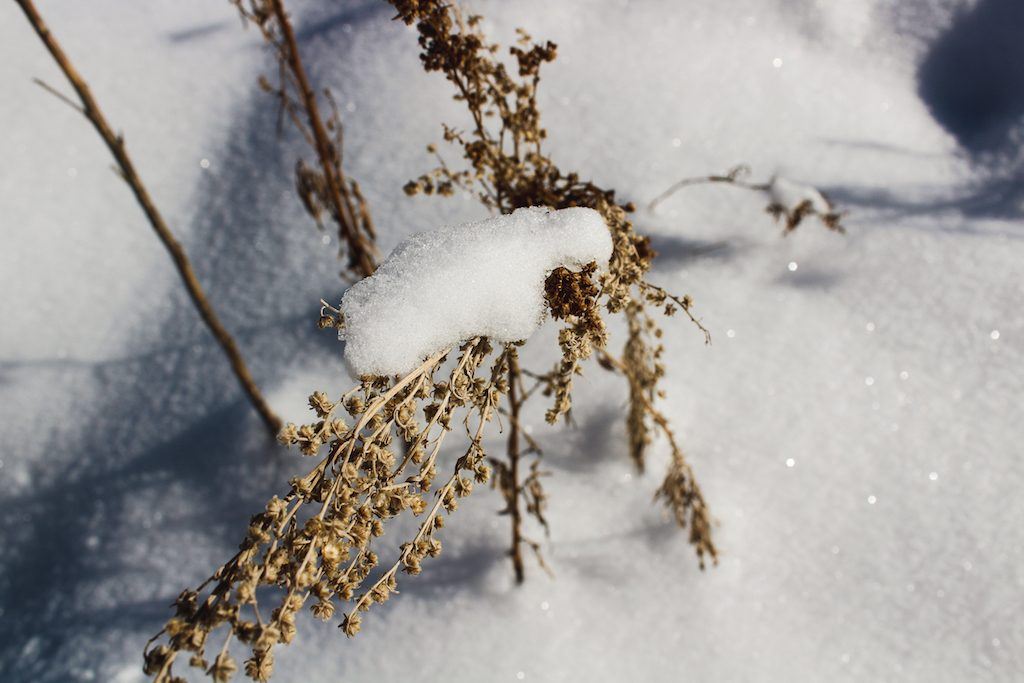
(115, 143)
(791, 217)
(324, 188)
(521, 494)
(316, 543)
(508, 169)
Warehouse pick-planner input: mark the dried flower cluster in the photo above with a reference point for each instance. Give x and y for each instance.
(315, 545)
(323, 188)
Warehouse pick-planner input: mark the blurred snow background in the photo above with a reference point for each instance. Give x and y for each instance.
(855, 424)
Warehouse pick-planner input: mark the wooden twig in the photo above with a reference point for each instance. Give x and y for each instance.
(115, 143)
(362, 251)
(513, 489)
(59, 95)
(733, 177)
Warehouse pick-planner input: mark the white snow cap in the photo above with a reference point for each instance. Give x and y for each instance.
(444, 286)
(791, 194)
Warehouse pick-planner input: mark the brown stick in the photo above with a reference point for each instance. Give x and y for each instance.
(90, 109)
(513, 460)
(733, 177)
(359, 248)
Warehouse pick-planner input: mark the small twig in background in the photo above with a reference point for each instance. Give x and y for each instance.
(787, 200)
(324, 187)
(59, 95)
(115, 142)
(735, 177)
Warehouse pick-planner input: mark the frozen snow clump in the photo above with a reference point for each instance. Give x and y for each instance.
(444, 286)
(790, 194)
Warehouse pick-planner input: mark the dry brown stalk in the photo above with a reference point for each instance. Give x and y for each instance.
(734, 177)
(521, 493)
(510, 485)
(325, 188)
(115, 143)
(679, 491)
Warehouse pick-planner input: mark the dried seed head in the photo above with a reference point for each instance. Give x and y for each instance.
(260, 666)
(350, 624)
(320, 404)
(223, 668)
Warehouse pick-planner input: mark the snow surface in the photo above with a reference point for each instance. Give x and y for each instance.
(484, 278)
(852, 424)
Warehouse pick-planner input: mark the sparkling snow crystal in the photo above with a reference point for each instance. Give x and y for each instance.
(444, 286)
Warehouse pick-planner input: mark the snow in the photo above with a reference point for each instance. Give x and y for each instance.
(130, 462)
(484, 278)
(790, 194)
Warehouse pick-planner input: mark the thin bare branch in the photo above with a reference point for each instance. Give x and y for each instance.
(324, 187)
(734, 177)
(115, 143)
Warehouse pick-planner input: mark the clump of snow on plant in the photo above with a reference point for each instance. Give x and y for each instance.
(444, 286)
(790, 194)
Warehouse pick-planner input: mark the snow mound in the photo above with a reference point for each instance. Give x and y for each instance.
(790, 194)
(444, 286)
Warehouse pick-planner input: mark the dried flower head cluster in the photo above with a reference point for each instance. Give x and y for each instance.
(315, 545)
(323, 188)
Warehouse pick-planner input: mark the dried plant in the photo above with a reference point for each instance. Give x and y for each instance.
(791, 216)
(316, 545)
(323, 188)
(126, 169)
(507, 168)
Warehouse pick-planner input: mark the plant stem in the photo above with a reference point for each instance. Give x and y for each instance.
(115, 143)
(514, 454)
(361, 250)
